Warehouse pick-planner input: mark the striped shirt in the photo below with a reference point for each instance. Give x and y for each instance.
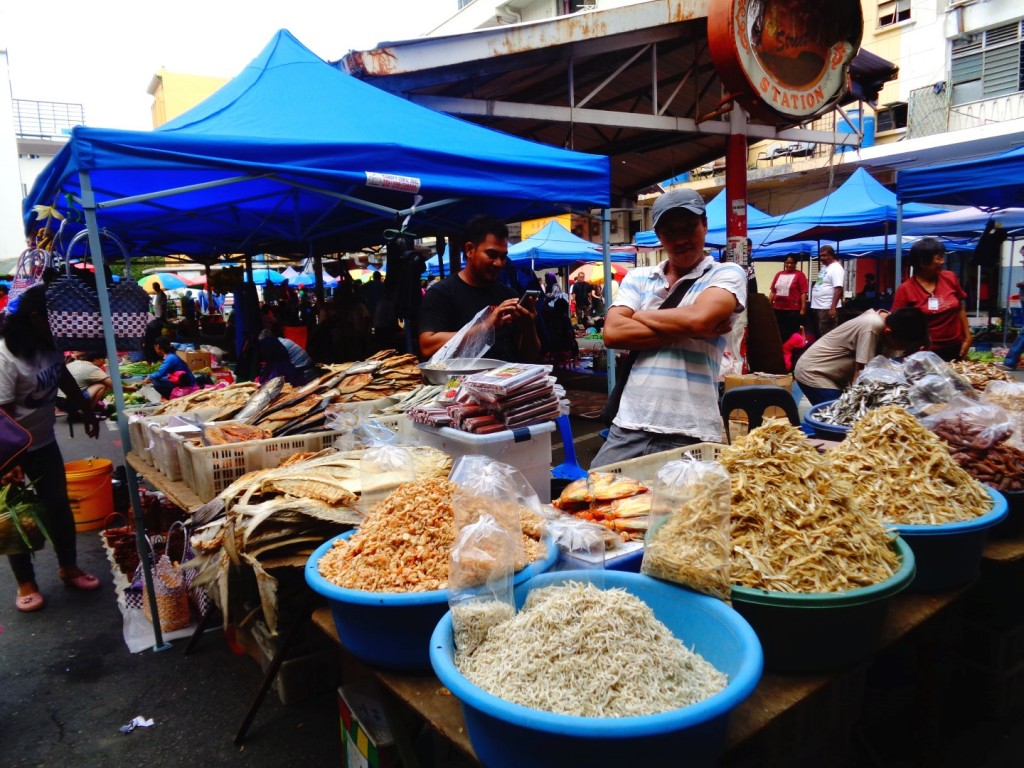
(674, 389)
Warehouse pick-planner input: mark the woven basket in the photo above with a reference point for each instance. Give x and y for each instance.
(171, 596)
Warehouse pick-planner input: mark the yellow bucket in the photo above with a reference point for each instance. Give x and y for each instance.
(90, 492)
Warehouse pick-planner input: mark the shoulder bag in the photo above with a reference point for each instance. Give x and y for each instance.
(611, 407)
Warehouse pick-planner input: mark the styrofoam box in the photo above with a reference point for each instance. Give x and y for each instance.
(645, 468)
(528, 449)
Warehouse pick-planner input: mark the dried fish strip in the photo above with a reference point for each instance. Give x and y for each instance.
(404, 544)
(904, 474)
(795, 524)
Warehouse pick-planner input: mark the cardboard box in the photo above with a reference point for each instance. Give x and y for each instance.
(784, 380)
(196, 360)
(366, 738)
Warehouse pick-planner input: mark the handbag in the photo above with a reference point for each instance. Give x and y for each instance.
(30, 267)
(73, 308)
(14, 441)
(611, 406)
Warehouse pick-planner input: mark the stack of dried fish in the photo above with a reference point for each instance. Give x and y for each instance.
(979, 373)
(423, 394)
(795, 524)
(224, 398)
(902, 473)
(384, 374)
(276, 517)
(861, 397)
(613, 500)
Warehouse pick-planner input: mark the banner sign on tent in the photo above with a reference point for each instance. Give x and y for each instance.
(393, 181)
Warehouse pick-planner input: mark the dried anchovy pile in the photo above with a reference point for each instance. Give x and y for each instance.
(979, 373)
(904, 474)
(795, 525)
(861, 397)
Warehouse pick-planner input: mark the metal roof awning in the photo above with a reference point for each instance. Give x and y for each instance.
(635, 83)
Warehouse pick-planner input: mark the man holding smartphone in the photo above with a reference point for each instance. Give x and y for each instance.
(452, 303)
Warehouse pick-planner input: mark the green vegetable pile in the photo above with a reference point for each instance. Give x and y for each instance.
(138, 369)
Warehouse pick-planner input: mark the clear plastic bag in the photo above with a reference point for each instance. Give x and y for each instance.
(967, 425)
(688, 540)
(470, 342)
(488, 487)
(928, 369)
(385, 464)
(1009, 396)
(581, 544)
(881, 369)
(488, 549)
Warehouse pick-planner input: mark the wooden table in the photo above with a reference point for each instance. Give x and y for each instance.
(775, 696)
(777, 700)
(176, 491)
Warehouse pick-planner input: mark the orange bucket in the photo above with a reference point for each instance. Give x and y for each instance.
(90, 491)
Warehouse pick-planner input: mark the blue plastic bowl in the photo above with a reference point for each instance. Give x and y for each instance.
(820, 429)
(807, 633)
(949, 556)
(510, 735)
(392, 629)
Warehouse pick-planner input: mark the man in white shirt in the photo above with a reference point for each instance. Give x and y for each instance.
(671, 396)
(827, 292)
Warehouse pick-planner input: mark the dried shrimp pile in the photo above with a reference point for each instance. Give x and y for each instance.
(579, 650)
(904, 474)
(979, 373)
(404, 544)
(796, 526)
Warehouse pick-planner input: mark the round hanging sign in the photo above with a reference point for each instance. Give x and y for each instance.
(784, 60)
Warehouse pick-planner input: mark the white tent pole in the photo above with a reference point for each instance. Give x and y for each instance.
(100, 275)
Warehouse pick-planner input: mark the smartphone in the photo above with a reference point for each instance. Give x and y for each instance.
(530, 295)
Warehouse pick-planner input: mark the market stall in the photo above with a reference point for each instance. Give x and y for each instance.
(240, 173)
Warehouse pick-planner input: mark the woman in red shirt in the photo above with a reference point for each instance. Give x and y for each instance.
(937, 293)
(788, 296)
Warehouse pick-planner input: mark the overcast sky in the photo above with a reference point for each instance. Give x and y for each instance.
(104, 53)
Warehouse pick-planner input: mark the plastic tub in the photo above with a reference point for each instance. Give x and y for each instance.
(821, 631)
(392, 629)
(949, 556)
(820, 429)
(510, 735)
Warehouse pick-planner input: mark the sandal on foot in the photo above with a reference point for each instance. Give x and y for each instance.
(29, 603)
(84, 581)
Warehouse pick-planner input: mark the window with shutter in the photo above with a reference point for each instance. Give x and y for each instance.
(987, 64)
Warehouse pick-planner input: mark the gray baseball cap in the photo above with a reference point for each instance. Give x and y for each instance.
(677, 198)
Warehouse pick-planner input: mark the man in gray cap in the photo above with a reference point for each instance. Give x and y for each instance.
(671, 395)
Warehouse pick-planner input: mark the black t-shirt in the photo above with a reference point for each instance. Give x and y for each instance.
(581, 293)
(448, 305)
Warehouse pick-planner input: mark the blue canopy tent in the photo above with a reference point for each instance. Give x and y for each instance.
(986, 182)
(292, 152)
(965, 221)
(859, 207)
(294, 156)
(555, 246)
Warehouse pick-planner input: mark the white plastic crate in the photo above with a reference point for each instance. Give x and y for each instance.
(165, 448)
(528, 449)
(209, 469)
(139, 429)
(645, 468)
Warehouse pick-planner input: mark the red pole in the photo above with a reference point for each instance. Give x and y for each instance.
(736, 190)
